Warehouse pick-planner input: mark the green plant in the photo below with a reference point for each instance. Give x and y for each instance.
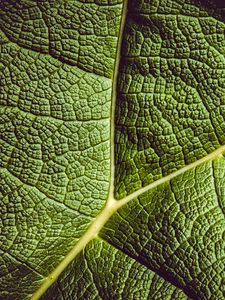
(112, 128)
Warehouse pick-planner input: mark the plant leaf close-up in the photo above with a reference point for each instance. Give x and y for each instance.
(112, 143)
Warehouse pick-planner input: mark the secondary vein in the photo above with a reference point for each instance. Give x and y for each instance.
(152, 185)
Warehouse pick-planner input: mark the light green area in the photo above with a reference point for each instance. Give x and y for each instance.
(58, 81)
(54, 131)
(36, 230)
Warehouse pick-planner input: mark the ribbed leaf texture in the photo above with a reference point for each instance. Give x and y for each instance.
(112, 142)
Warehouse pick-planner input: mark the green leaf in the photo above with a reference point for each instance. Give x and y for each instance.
(112, 134)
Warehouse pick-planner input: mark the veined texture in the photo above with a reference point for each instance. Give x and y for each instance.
(112, 135)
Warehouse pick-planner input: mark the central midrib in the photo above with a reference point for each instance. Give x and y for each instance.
(112, 205)
(114, 97)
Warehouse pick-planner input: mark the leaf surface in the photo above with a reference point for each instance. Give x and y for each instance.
(112, 128)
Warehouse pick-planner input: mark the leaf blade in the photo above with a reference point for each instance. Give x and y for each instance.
(51, 99)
